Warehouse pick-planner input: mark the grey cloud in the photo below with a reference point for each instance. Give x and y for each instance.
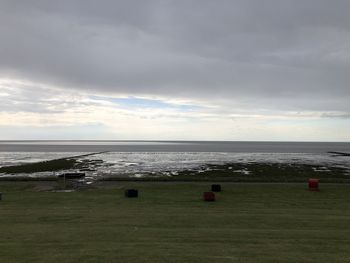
(264, 54)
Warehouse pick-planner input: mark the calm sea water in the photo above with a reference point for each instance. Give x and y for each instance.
(173, 146)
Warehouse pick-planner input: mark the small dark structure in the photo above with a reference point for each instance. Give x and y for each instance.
(0, 196)
(131, 193)
(208, 196)
(216, 188)
(313, 184)
(340, 153)
(72, 175)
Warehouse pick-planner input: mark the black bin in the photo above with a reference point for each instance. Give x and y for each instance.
(131, 193)
(216, 188)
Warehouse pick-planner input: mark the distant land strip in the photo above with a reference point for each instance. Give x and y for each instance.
(340, 153)
(46, 166)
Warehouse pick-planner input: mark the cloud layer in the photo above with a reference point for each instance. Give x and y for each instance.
(257, 60)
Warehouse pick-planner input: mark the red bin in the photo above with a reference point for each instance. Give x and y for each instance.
(208, 196)
(313, 184)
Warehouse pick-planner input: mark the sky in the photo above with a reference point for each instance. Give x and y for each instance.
(240, 70)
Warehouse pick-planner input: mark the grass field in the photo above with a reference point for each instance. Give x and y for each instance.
(170, 223)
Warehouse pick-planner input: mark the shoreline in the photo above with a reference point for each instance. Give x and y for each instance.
(167, 180)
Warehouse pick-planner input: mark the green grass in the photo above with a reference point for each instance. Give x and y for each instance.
(170, 223)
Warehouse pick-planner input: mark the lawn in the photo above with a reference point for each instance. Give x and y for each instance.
(169, 223)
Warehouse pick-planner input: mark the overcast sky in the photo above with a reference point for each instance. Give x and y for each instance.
(195, 70)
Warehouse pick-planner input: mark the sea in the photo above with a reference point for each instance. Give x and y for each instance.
(167, 158)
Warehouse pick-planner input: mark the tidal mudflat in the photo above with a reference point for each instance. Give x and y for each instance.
(164, 166)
